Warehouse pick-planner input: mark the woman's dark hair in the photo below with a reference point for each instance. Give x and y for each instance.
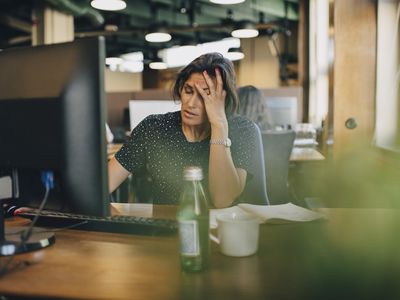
(209, 62)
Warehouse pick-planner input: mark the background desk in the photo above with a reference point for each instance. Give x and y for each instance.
(354, 255)
(305, 154)
(306, 171)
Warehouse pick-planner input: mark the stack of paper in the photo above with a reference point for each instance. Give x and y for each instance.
(274, 214)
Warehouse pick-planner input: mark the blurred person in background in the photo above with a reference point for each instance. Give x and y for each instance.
(251, 106)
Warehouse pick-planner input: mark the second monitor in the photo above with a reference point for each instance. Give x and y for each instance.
(140, 109)
(52, 116)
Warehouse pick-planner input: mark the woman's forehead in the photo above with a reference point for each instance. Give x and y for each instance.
(197, 78)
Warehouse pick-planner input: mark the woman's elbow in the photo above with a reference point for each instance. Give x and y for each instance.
(224, 199)
(116, 175)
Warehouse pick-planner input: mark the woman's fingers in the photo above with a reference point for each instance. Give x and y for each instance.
(220, 85)
(202, 92)
(215, 91)
(209, 82)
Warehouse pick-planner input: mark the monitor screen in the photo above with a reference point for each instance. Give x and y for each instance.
(52, 116)
(281, 111)
(140, 109)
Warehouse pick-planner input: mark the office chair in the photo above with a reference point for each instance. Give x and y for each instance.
(278, 146)
(255, 191)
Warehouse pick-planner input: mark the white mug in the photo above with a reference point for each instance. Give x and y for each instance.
(237, 234)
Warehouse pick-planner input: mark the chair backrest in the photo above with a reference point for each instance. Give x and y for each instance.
(278, 146)
(255, 191)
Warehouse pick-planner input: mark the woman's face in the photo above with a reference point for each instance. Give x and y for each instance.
(193, 110)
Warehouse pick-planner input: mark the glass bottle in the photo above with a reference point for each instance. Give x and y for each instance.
(193, 220)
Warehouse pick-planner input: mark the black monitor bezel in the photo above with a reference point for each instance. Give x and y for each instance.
(80, 157)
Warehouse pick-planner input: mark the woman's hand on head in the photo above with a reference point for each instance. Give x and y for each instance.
(214, 100)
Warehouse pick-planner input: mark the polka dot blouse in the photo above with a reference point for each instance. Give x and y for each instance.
(158, 148)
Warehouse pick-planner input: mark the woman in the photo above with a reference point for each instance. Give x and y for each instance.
(251, 106)
(200, 134)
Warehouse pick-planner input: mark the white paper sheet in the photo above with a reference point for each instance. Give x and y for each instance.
(273, 214)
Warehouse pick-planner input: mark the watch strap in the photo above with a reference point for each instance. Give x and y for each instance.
(226, 142)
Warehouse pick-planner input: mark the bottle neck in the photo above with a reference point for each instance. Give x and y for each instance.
(193, 195)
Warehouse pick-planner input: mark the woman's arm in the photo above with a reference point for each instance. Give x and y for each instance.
(116, 174)
(226, 182)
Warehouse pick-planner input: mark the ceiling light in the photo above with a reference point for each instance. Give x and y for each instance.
(108, 4)
(133, 56)
(158, 34)
(225, 2)
(234, 54)
(179, 56)
(245, 30)
(113, 62)
(111, 28)
(158, 64)
(158, 37)
(131, 66)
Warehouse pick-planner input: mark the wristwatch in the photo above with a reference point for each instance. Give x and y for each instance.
(226, 142)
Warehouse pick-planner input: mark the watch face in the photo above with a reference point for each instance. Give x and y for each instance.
(228, 142)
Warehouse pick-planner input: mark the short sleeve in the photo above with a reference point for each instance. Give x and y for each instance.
(132, 155)
(244, 143)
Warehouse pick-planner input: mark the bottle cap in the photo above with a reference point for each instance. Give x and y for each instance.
(193, 173)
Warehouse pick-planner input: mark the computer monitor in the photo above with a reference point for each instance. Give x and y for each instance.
(140, 109)
(281, 112)
(52, 117)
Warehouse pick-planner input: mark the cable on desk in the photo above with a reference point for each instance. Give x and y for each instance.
(48, 182)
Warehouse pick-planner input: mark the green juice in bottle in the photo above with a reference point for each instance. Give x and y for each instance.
(193, 220)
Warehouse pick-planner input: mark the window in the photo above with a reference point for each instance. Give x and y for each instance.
(387, 132)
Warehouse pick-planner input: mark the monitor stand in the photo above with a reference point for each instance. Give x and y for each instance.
(10, 238)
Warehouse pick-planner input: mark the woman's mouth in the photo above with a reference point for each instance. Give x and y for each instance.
(189, 114)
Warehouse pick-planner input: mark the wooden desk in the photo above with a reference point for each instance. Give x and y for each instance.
(301, 154)
(354, 255)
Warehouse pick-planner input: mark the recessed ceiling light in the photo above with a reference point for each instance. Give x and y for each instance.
(108, 4)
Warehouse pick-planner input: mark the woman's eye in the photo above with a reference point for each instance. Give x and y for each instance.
(188, 91)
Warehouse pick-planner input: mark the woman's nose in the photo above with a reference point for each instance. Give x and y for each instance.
(194, 99)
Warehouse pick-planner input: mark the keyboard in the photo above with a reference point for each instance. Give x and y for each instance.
(115, 224)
